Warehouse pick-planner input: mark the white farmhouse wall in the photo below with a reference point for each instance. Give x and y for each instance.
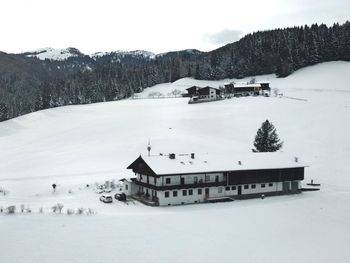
(180, 198)
(130, 188)
(260, 189)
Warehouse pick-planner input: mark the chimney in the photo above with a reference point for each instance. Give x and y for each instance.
(296, 159)
(239, 162)
(192, 155)
(172, 156)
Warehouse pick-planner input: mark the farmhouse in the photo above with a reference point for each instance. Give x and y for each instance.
(204, 94)
(192, 91)
(246, 89)
(186, 178)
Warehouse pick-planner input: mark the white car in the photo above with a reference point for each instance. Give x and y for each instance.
(106, 199)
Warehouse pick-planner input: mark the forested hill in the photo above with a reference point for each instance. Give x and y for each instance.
(28, 83)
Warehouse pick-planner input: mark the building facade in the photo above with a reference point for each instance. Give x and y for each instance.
(205, 94)
(174, 180)
(247, 89)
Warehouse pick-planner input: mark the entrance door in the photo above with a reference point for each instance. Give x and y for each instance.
(239, 190)
(295, 187)
(286, 187)
(206, 192)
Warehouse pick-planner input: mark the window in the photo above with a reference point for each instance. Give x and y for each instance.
(246, 186)
(166, 194)
(270, 184)
(227, 188)
(207, 178)
(182, 180)
(126, 187)
(195, 179)
(155, 180)
(220, 190)
(233, 188)
(174, 193)
(253, 186)
(190, 192)
(140, 177)
(167, 180)
(184, 192)
(262, 185)
(199, 191)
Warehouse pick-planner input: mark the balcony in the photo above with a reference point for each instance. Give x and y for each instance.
(181, 186)
(147, 200)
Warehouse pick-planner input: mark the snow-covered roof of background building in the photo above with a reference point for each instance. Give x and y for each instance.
(255, 85)
(184, 164)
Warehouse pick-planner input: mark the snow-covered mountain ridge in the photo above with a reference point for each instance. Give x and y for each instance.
(54, 54)
(63, 54)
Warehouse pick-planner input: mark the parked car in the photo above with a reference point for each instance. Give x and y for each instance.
(99, 191)
(106, 198)
(120, 197)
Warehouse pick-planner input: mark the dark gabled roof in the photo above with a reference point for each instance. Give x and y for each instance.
(193, 87)
(140, 166)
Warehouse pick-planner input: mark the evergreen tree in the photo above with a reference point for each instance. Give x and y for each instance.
(4, 114)
(266, 139)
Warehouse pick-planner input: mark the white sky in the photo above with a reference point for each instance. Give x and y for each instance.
(153, 25)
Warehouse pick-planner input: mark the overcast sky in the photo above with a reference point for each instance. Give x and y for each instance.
(153, 25)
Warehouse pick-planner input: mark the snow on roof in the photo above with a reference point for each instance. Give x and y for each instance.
(183, 164)
(255, 85)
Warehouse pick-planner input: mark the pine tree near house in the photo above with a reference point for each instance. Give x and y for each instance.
(266, 139)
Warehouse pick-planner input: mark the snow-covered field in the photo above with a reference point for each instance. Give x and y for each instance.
(78, 145)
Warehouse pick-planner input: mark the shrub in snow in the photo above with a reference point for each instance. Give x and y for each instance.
(28, 210)
(41, 210)
(176, 92)
(70, 212)
(155, 94)
(90, 211)
(80, 211)
(70, 191)
(11, 209)
(22, 208)
(57, 208)
(252, 81)
(1, 209)
(3, 191)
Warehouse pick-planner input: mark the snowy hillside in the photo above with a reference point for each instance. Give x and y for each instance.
(78, 145)
(53, 54)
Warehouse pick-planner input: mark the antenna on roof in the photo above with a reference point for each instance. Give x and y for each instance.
(149, 147)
